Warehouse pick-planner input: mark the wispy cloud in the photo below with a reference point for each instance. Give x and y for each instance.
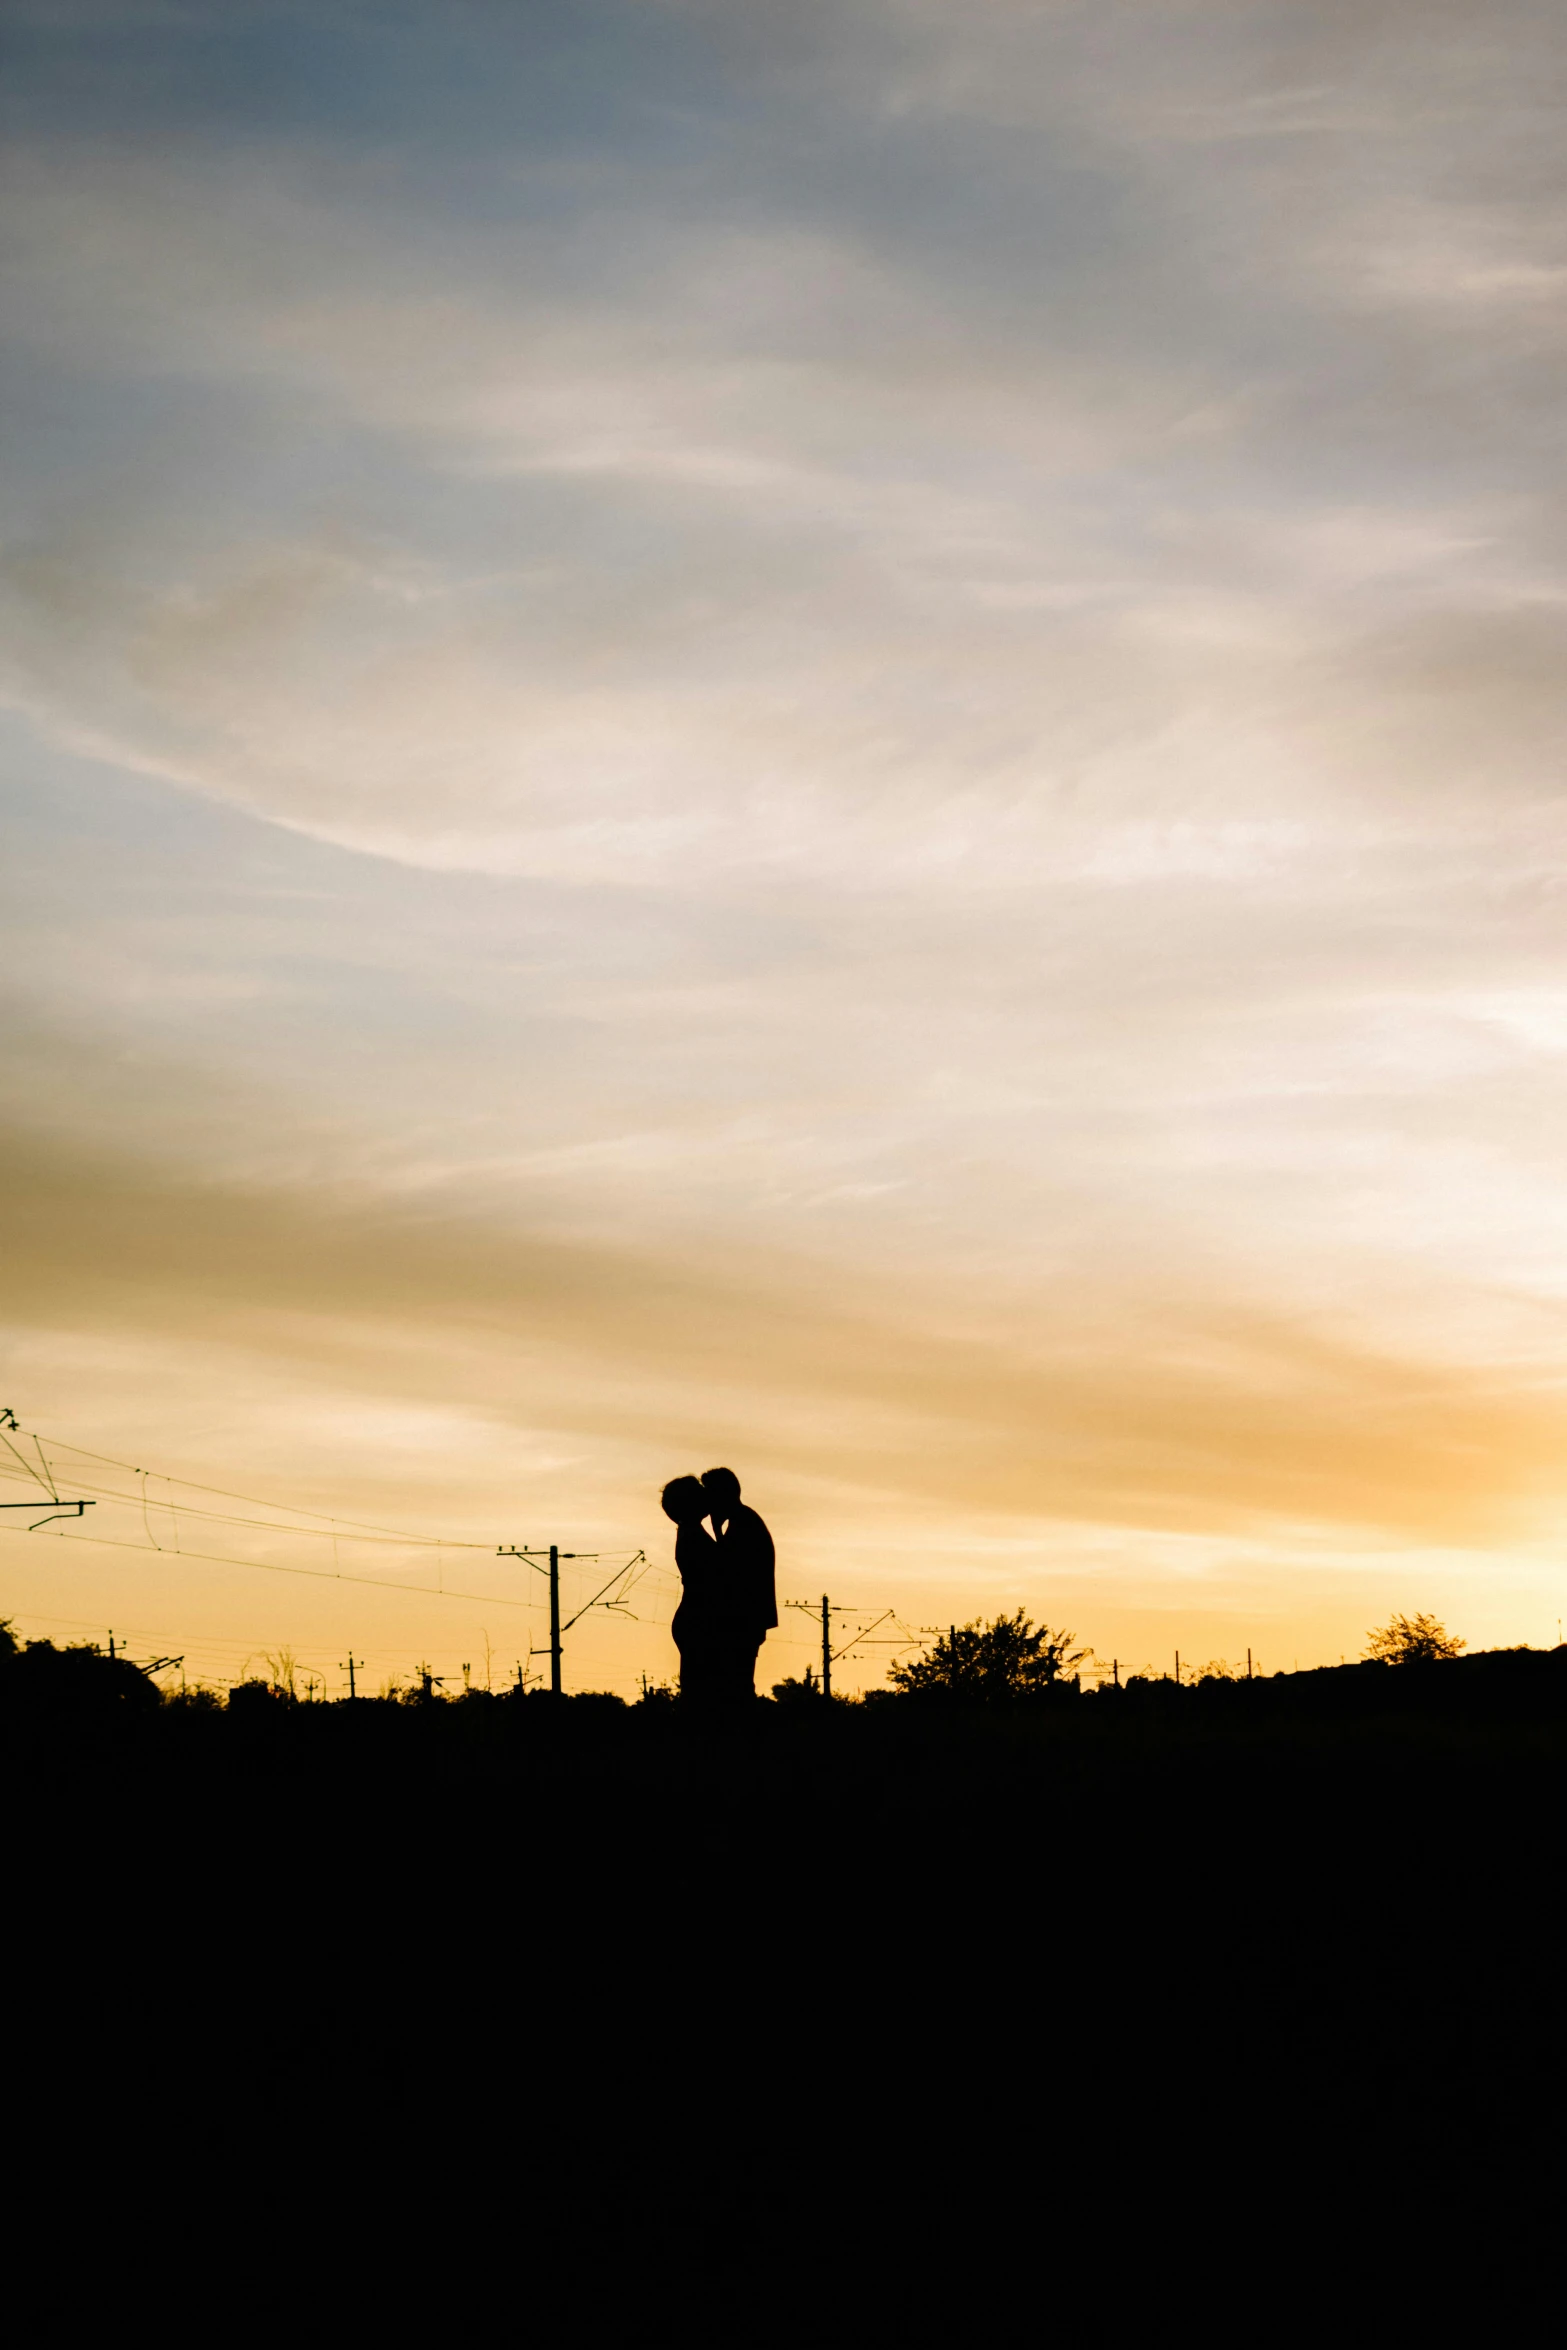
(838, 722)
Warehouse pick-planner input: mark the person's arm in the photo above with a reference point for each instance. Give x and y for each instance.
(750, 1547)
(766, 1576)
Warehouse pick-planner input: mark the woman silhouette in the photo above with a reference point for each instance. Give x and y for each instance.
(698, 1623)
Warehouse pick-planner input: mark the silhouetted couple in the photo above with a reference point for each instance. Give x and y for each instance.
(727, 1606)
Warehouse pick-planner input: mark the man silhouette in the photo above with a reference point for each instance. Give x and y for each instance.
(746, 1561)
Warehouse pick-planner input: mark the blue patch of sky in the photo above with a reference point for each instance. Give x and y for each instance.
(463, 75)
(396, 997)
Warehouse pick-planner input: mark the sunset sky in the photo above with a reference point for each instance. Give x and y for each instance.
(825, 735)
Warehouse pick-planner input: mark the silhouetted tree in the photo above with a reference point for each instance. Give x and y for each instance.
(1412, 1640)
(197, 1699)
(256, 1700)
(283, 1666)
(40, 1678)
(793, 1692)
(991, 1664)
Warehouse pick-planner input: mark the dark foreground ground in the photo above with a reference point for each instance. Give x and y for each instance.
(1316, 1809)
(1401, 1763)
(1285, 1956)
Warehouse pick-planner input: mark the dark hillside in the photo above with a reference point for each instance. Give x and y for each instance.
(1302, 1929)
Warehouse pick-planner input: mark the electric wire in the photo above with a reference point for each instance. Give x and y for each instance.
(319, 1533)
(27, 1467)
(275, 1567)
(597, 1596)
(257, 1501)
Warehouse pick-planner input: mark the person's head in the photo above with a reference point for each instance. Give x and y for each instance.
(722, 1488)
(685, 1500)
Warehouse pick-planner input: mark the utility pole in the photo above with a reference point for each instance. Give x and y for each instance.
(807, 1608)
(510, 1551)
(352, 1661)
(58, 1508)
(1177, 1668)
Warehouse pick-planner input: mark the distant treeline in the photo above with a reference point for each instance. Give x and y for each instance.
(41, 1684)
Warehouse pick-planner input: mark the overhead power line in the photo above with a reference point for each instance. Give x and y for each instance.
(324, 1520)
(277, 1567)
(67, 1509)
(325, 1526)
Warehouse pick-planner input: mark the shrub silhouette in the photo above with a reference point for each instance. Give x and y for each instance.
(1412, 1640)
(256, 1699)
(39, 1678)
(991, 1664)
(792, 1692)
